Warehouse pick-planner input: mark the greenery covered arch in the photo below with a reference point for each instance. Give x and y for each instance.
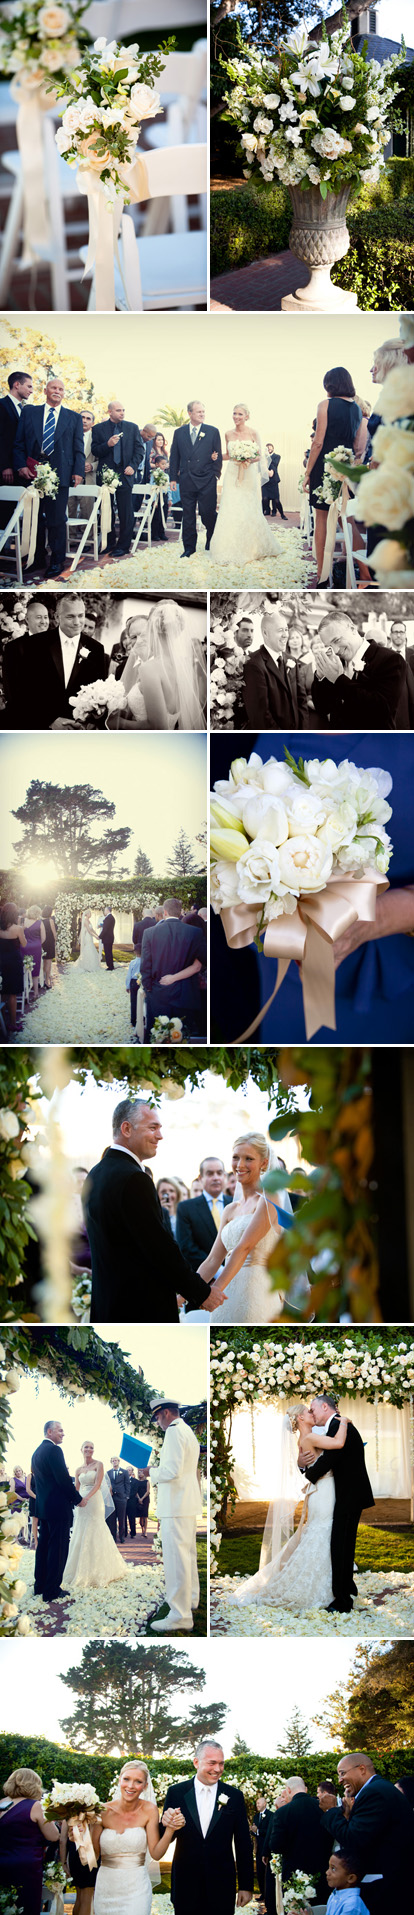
(80, 1364)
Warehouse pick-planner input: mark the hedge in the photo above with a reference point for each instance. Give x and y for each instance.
(383, 236)
(250, 224)
(247, 224)
(50, 1759)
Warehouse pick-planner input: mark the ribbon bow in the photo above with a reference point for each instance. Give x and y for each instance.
(106, 222)
(309, 937)
(81, 1836)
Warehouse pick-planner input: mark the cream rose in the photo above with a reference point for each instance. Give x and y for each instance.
(258, 872)
(276, 778)
(53, 22)
(265, 817)
(305, 810)
(9, 1125)
(390, 557)
(386, 496)
(395, 447)
(397, 397)
(145, 101)
(305, 864)
(223, 884)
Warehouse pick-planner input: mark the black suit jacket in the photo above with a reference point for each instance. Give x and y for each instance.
(108, 931)
(370, 699)
(53, 1485)
(195, 1229)
(352, 1484)
(297, 1833)
(120, 1488)
(168, 947)
(379, 1835)
(272, 694)
(137, 1268)
(208, 1861)
(132, 448)
(191, 464)
(141, 925)
(33, 678)
(68, 456)
(9, 421)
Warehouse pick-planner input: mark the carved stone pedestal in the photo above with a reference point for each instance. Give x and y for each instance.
(319, 236)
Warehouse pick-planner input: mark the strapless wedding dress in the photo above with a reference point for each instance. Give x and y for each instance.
(300, 1578)
(123, 1885)
(251, 1298)
(242, 532)
(93, 1560)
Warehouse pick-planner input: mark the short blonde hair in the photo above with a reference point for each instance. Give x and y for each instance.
(24, 1782)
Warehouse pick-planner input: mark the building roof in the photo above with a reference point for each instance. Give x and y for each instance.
(379, 48)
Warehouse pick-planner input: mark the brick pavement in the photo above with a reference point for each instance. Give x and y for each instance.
(261, 286)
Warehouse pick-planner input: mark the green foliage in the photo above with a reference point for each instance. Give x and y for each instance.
(51, 1759)
(296, 1742)
(377, 1549)
(126, 1693)
(253, 222)
(381, 1704)
(383, 236)
(16, 1068)
(246, 224)
(78, 1361)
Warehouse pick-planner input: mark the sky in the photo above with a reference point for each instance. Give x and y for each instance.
(171, 1364)
(242, 1674)
(157, 782)
(204, 1120)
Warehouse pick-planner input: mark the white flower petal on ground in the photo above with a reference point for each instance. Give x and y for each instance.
(392, 1616)
(164, 568)
(121, 1609)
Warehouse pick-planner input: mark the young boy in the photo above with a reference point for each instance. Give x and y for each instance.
(342, 1879)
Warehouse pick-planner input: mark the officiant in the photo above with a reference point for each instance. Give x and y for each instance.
(178, 1506)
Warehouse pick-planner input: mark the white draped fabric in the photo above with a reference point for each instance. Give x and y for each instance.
(384, 1430)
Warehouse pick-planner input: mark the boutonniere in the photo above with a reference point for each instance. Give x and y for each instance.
(221, 1800)
(84, 651)
(202, 436)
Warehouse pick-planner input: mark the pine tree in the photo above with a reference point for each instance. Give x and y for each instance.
(240, 1749)
(297, 1741)
(181, 859)
(143, 867)
(126, 1696)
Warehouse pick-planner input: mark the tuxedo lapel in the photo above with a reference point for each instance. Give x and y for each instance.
(217, 1811)
(191, 1805)
(55, 655)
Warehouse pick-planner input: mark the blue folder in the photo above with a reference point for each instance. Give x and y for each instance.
(133, 1451)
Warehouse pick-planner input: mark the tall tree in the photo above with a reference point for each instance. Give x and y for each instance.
(374, 1709)
(181, 860)
(240, 1748)
(126, 1697)
(61, 822)
(143, 867)
(297, 1741)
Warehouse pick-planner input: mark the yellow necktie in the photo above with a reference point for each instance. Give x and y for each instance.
(216, 1214)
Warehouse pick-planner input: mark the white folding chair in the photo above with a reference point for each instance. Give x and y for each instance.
(83, 527)
(168, 270)
(115, 18)
(12, 495)
(61, 188)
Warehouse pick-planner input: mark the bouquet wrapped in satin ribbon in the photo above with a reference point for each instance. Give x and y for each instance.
(299, 851)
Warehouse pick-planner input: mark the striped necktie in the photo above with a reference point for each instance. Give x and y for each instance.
(48, 435)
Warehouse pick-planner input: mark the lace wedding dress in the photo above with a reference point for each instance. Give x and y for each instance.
(123, 1885)
(241, 531)
(300, 1577)
(89, 956)
(93, 1560)
(251, 1298)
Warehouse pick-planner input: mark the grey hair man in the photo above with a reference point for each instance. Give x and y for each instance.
(137, 1268)
(214, 1847)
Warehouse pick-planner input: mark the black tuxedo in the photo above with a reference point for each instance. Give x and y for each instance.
(137, 1268)
(379, 1836)
(34, 683)
(107, 939)
(168, 947)
(273, 696)
(298, 1835)
(261, 1828)
(55, 1499)
(9, 420)
(67, 459)
(120, 1483)
(131, 1506)
(404, 716)
(203, 1872)
(141, 925)
(132, 453)
(195, 1229)
(353, 1493)
(197, 474)
(270, 490)
(368, 700)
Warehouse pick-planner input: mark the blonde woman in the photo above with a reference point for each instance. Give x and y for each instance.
(242, 532)
(249, 1229)
(295, 1570)
(94, 1560)
(127, 1832)
(24, 1835)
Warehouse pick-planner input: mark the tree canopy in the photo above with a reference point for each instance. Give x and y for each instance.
(63, 823)
(181, 858)
(125, 1699)
(375, 1707)
(296, 1741)
(143, 867)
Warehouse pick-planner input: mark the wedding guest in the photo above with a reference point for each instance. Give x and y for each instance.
(20, 386)
(357, 682)
(12, 945)
(45, 668)
(159, 457)
(259, 1829)
(273, 696)
(24, 1834)
(88, 421)
(49, 947)
(172, 955)
(35, 933)
(406, 1787)
(131, 1508)
(118, 444)
(134, 629)
(53, 434)
(143, 1499)
(378, 1834)
(339, 423)
(120, 1486)
(343, 1880)
(143, 924)
(80, 1255)
(273, 503)
(199, 1219)
(169, 1193)
(230, 1184)
(196, 1188)
(132, 982)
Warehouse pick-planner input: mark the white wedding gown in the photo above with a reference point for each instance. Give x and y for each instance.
(123, 1885)
(300, 1578)
(93, 1560)
(89, 958)
(242, 532)
(251, 1298)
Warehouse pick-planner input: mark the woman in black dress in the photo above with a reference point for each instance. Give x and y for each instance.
(48, 947)
(142, 1499)
(12, 945)
(339, 422)
(83, 1877)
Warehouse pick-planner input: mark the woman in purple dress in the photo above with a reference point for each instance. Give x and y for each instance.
(24, 1835)
(35, 933)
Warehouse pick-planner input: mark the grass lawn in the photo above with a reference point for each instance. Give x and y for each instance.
(376, 1549)
(200, 1614)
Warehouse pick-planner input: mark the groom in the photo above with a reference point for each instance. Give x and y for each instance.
(137, 1268)
(215, 1841)
(353, 1493)
(196, 461)
(55, 1499)
(107, 937)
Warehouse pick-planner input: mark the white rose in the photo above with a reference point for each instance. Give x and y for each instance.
(305, 864)
(390, 557)
(249, 141)
(397, 397)
(145, 101)
(73, 119)
(265, 817)
(271, 99)
(258, 872)
(338, 825)
(276, 778)
(330, 143)
(347, 103)
(9, 1125)
(395, 447)
(223, 884)
(305, 811)
(53, 22)
(386, 496)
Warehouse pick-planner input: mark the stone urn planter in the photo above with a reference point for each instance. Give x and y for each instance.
(319, 236)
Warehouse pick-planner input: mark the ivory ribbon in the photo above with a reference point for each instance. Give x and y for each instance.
(32, 104)
(339, 506)
(57, 1906)
(106, 514)
(83, 1841)
(309, 936)
(30, 523)
(105, 209)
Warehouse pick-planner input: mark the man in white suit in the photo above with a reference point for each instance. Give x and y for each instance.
(178, 1506)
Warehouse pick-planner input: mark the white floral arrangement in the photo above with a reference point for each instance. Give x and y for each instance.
(385, 495)
(99, 700)
(81, 1297)
(298, 1891)
(109, 96)
(11, 1586)
(315, 113)
(110, 478)
(279, 830)
(342, 458)
(159, 478)
(39, 43)
(243, 451)
(167, 1030)
(67, 1799)
(55, 1877)
(45, 481)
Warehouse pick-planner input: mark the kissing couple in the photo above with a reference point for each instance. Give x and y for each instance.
(312, 1567)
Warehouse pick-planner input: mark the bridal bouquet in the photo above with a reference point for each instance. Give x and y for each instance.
(315, 113)
(243, 451)
(67, 1799)
(167, 1030)
(303, 841)
(98, 701)
(37, 41)
(109, 96)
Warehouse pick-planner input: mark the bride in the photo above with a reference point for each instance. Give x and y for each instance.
(241, 531)
(93, 1560)
(123, 1835)
(89, 955)
(165, 675)
(249, 1230)
(295, 1570)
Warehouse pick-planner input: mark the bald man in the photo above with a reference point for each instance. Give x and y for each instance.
(377, 1832)
(118, 443)
(48, 665)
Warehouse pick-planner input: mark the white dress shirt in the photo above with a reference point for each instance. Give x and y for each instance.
(215, 1200)
(128, 1153)
(46, 410)
(205, 1793)
(69, 648)
(16, 403)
